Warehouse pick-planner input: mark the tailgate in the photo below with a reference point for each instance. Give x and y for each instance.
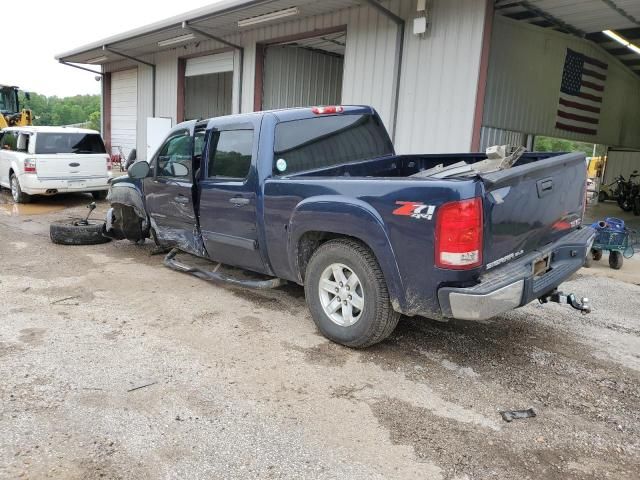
(531, 205)
(71, 165)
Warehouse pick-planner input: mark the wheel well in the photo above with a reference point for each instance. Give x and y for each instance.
(10, 172)
(311, 241)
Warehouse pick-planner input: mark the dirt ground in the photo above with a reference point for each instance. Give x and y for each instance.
(114, 367)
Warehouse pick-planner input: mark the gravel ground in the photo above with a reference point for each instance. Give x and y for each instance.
(115, 367)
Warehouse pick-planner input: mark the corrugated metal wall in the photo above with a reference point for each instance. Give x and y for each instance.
(620, 162)
(440, 78)
(525, 72)
(498, 136)
(296, 77)
(440, 72)
(208, 96)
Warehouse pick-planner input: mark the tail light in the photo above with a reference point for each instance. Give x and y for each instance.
(109, 164)
(327, 110)
(459, 235)
(30, 165)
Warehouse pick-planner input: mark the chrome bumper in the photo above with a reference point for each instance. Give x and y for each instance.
(515, 285)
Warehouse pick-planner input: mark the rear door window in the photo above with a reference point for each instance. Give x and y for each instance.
(230, 154)
(78, 143)
(322, 142)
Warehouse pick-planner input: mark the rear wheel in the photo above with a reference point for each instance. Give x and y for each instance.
(347, 295)
(100, 194)
(616, 260)
(16, 192)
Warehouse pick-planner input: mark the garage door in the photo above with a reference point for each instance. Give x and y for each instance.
(222, 62)
(209, 86)
(124, 107)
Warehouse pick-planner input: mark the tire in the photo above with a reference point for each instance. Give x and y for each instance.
(616, 260)
(16, 192)
(636, 206)
(67, 232)
(596, 254)
(372, 323)
(100, 194)
(603, 197)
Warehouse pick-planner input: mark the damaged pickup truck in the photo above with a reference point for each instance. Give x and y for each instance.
(317, 196)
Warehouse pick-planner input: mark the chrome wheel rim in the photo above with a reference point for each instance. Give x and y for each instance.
(341, 295)
(14, 188)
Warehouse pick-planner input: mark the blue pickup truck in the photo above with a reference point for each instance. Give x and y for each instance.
(317, 196)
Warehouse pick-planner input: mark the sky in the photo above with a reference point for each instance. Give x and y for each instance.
(52, 27)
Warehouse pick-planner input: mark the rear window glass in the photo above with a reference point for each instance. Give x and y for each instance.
(322, 142)
(69, 143)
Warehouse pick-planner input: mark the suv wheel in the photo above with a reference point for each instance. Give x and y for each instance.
(16, 192)
(347, 294)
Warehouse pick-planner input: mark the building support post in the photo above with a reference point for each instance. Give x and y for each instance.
(483, 72)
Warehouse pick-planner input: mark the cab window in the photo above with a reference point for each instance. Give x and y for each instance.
(175, 156)
(230, 154)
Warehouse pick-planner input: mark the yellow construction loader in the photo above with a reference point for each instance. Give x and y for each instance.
(10, 113)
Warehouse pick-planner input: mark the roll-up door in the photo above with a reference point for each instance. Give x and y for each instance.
(124, 110)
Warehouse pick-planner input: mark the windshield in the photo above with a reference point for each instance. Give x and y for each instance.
(8, 100)
(69, 143)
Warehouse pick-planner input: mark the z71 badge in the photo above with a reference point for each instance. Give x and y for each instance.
(416, 210)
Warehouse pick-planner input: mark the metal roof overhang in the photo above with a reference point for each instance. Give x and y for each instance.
(220, 20)
(586, 19)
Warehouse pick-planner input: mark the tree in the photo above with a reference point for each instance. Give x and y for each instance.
(550, 144)
(57, 111)
(94, 121)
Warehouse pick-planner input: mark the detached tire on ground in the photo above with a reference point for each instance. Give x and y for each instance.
(347, 294)
(73, 232)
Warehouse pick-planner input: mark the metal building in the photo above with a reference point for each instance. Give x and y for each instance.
(445, 75)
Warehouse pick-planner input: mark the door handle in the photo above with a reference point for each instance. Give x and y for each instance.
(544, 186)
(239, 201)
(181, 199)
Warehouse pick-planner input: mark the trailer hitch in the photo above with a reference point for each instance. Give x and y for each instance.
(581, 305)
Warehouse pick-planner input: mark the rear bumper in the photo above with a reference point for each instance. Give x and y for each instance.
(33, 185)
(514, 285)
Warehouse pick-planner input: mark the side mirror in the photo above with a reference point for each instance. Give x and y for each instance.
(179, 170)
(139, 170)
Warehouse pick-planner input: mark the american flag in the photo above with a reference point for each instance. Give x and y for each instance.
(583, 80)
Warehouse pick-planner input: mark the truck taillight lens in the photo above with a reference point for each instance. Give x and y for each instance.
(30, 165)
(459, 235)
(109, 164)
(329, 110)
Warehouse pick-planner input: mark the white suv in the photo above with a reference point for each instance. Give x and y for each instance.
(50, 160)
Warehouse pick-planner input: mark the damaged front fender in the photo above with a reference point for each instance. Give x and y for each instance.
(127, 218)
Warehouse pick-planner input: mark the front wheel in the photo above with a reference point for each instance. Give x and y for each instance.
(347, 294)
(16, 192)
